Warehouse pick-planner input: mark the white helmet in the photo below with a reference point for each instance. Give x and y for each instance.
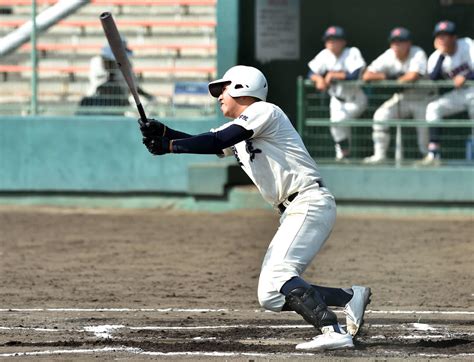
(242, 81)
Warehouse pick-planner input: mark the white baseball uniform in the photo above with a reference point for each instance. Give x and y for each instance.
(347, 101)
(410, 103)
(277, 161)
(457, 100)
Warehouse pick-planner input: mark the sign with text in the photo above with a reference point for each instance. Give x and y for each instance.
(277, 30)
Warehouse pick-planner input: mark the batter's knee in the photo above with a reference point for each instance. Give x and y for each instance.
(269, 285)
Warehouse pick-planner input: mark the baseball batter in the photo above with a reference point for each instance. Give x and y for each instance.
(405, 63)
(270, 151)
(453, 59)
(338, 62)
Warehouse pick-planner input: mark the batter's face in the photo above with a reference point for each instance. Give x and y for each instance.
(401, 48)
(335, 46)
(233, 107)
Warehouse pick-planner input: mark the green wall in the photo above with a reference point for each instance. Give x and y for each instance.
(100, 154)
(367, 23)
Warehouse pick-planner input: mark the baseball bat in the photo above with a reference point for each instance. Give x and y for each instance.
(115, 41)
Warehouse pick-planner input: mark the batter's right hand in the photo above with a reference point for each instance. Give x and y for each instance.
(152, 128)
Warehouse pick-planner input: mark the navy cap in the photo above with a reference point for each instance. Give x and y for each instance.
(334, 32)
(106, 51)
(444, 27)
(399, 34)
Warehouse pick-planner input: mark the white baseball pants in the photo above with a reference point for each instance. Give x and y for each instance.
(304, 227)
(345, 110)
(399, 106)
(457, 100)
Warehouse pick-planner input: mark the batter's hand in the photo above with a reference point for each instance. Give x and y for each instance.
(157, 145)
(152, 128)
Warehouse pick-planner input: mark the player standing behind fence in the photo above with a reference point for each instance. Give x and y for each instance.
(338, 62)
(405, 63)
(452, 59)
(271, 152)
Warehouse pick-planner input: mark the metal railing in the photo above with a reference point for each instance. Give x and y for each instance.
(313, 123)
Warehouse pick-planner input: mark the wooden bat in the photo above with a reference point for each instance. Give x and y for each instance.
(115, 41)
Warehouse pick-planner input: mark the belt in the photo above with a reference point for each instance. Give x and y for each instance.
(282, 207)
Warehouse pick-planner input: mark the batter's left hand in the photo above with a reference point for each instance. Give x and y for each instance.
(152, 128)
(157, 145)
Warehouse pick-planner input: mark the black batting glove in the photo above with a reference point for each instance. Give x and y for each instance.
(152, 128)
(157, 145)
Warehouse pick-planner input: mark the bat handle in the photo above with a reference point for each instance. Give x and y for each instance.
(143, 119)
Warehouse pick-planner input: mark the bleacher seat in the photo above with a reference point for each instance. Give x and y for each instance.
(172, 40)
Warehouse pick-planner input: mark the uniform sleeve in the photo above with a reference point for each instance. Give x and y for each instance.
(257, 118)
(354, 61)
(317, 65)
(418, 63)
(379, 65)
(226, 152)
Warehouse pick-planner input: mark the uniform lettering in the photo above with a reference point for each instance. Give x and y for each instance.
(250, 150)
(236, 155)
(244, 117)
(458, 70)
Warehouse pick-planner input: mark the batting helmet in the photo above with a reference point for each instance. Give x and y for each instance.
(242, 81)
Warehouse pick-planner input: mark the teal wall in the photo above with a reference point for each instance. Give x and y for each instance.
(90, 154)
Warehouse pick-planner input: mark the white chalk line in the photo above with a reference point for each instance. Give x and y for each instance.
(106, 331)
(211, 310)
(139, 351)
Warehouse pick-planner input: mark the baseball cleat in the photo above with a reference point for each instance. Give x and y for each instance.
(429, 160)
(329, 339)
(374, 160)
(355, 309)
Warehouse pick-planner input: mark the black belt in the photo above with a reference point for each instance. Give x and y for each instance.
(282, 207)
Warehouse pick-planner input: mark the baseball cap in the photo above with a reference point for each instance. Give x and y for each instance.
(106, 51)
(445, 27)
(399, 34)
(334, 32)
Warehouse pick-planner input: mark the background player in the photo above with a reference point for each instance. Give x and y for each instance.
(452, 59)
(406, 63)
(338, 62)
(271, 152)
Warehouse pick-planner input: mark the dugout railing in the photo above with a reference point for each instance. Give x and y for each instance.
(313, 124)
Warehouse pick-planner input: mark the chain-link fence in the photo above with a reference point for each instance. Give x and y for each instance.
(399, 109)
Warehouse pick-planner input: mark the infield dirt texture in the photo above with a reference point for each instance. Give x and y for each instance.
(109, 284)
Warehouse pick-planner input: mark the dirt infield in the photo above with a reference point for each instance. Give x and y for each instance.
(153, 283)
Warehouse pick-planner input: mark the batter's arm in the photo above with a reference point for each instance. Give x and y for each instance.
(206, 143)
(211, 142)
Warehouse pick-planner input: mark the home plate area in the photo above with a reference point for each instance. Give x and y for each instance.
(218, 333)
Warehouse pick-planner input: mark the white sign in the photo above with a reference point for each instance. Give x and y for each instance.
(277, 30)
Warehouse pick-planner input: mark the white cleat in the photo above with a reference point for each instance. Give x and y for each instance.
(329, 339)
(429, 160)
(374, 160)
(355, 309)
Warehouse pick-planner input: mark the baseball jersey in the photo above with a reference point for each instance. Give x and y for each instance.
(459, 63)
(394, 68)
(274, 158)
(349, 61)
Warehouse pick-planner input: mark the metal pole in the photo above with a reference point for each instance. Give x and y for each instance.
(34, 62)
(300, 105)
